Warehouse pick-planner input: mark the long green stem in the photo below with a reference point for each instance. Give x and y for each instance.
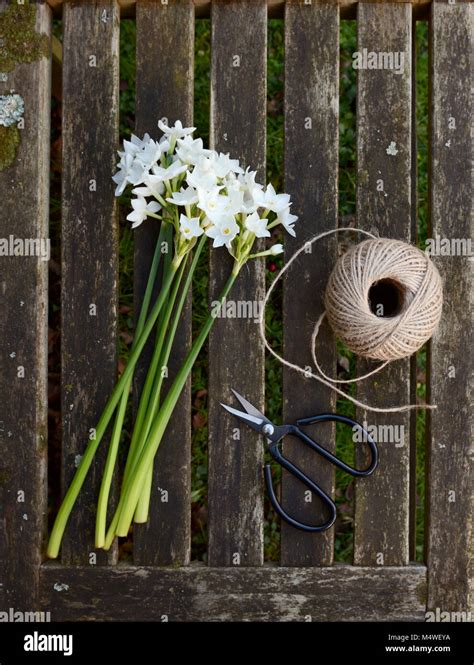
(122, 408)
(150, 401)
(111, 530)
(141, 514)
(158, 343)
(147, 397)
(129, 499)
(86, 461)
(106, 483)
(139, 422)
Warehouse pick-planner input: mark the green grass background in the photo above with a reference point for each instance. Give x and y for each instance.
(347, 185)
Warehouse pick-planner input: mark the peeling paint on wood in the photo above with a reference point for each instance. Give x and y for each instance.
(262, 593)
(89, 250)
(23, 330)
(311, 168)
(384, 122)
(236, 358)
(450, 475)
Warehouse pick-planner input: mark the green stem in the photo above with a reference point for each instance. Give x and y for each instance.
(158, 343)
(143, 505)
(86, 461)
(129, 499)
(141, 514)
(113, 525)
(146, 397)
(122, 408)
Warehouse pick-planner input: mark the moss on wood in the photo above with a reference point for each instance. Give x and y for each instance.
(19, 41)
(9, 142)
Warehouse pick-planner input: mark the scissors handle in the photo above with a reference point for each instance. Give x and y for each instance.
(335, 417)
(295, 471)
(315, 489)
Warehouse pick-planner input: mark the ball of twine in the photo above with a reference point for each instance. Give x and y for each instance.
(384, 299)
(402, 276)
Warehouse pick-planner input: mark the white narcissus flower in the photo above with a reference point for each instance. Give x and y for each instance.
(177, 131)
(287, 220)
(249, 187)
(135, 144)
(224, 232)
(212, 203)
(189, 227)
(130, 171)
(254, 224)
(185, 197)
(191, 150)
(231, 184)
(270, 200)
(276, 249)
(121, 177)
(222, 164)
(164, 144)
(137, 172)
(170, 172)
(249, 206)
(201, 178)
(149, 154)
(228, 196)
(141, 209)
(153, 186)
(247, 181)
(235, 202)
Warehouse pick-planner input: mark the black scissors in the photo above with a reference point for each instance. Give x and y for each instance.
(275, 434)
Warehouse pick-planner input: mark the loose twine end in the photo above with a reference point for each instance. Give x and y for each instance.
(427, 287)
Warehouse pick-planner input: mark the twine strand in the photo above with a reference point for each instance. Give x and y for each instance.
(349, 314)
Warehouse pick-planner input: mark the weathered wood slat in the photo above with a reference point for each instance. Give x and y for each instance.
(413, 496)
(276, 8)
(384, 205)
(450, 367)
(311, 171)
(164, 89)
(236, 359)
(89, 248)
(23, 330)
(262, 593)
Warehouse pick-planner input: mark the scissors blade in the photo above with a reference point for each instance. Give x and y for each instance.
(252, 421)
(253, 411)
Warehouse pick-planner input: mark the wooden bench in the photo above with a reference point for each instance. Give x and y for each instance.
(162, 582)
